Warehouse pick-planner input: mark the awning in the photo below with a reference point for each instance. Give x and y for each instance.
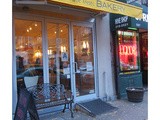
(118, 21)
(111, 6)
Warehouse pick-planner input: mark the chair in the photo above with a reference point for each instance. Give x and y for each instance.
(31, 81)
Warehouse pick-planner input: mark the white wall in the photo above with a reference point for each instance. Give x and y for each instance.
(106, 81)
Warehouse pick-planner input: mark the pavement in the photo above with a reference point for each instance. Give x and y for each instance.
(126, 111)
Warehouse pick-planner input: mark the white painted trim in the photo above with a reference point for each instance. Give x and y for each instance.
(44, 21)
(90, 96)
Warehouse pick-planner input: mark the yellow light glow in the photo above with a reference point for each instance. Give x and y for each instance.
(30, 28)
(87, 44)
(49, 52)
(38, 54)
(84, 45)
(63, 49)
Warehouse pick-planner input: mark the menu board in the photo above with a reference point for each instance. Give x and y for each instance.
(25, 102)
(32, 109)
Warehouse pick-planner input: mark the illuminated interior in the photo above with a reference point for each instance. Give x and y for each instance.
(35, 48)
(128, 50)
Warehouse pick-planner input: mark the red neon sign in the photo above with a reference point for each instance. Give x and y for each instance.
(127, 50)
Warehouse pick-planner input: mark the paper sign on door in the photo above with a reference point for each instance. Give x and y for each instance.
(89, 66)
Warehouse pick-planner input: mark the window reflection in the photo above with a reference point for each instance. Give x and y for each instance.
(28, 47)
(84, 61)
(59, 54)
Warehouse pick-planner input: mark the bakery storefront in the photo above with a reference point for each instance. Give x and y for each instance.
(56, 42)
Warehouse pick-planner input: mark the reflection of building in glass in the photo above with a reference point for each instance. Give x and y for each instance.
(19, 62)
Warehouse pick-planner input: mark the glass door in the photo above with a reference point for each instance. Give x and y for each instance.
(83, 60)
(59, 53)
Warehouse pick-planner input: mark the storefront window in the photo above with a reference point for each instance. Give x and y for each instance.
(144, 51)
(128, 51)
(28, 47)
(58, 54)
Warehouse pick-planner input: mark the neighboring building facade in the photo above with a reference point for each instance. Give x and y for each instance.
(130, 43)
(63, 44)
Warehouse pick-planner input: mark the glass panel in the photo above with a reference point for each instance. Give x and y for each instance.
(144, 51)
(58, 54)
(84, 62)
(28, 45)
(128, 50)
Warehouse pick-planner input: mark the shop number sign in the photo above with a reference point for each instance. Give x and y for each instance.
(127, 50)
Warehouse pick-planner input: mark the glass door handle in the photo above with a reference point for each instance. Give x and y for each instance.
(76, 67)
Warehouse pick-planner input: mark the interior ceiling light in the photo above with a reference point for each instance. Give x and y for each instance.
(35, 24)
(30, 28)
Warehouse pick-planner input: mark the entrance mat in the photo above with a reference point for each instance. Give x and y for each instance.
(96, 107)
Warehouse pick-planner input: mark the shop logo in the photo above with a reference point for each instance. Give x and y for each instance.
(121, 20)
(144, 19)
(111, 6)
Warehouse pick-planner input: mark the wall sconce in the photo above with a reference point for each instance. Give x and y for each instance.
(84, 45)
(49, 52)
(63, 49)
(38, 54)
(85, 48)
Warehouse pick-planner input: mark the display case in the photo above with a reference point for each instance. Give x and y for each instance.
(128, 61)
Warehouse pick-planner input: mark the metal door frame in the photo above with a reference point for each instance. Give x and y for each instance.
(89, 96)
(44, 21)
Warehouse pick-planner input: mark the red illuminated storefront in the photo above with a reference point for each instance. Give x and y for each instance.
(128, 51)
(128, 70)
(130, 48)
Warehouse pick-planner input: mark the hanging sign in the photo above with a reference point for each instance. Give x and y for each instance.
(110, 6)
(121, 21)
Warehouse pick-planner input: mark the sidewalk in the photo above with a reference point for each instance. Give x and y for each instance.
(126, 111)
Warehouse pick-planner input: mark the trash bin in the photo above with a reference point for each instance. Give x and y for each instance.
(135, 94)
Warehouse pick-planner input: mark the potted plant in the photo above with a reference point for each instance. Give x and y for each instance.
(135, 94)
